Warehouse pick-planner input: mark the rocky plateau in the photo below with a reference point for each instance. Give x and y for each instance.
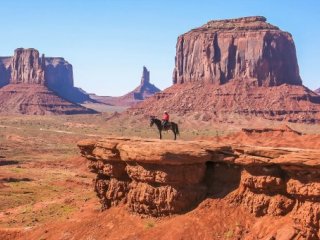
(160, 178)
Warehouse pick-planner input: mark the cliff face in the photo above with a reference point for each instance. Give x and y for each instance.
(243, 49)
(318, 91)
(26, 66)
(59, 78)
(160, 178)
(5, 70)
(58, 73)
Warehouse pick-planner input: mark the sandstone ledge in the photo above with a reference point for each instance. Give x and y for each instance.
(159, 178)
(191, 152)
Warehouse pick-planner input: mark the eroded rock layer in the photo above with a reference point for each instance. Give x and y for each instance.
(160, 178)
(221, 103)
(36, 99)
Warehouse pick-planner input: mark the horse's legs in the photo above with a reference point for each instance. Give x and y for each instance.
(160, 134)
(174, 132)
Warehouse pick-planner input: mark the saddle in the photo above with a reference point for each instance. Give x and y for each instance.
(166, 125)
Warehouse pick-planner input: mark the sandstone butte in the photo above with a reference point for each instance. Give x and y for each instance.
(30, 84)
(160, 178)
(140, 93)
(240, 66)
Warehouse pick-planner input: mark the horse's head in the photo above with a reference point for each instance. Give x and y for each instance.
(152, 118)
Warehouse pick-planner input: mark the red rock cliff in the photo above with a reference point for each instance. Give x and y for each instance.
(245, 48)
(5, 70)
(27, 67)
(158, 178)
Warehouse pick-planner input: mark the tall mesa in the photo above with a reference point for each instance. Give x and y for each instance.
(246, 48)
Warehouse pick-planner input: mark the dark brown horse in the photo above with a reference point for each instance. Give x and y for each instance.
(170, 126)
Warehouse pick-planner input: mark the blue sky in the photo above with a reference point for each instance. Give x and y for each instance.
(108, 42)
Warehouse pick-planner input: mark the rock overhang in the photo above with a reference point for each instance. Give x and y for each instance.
(172, 152)
(160, 178)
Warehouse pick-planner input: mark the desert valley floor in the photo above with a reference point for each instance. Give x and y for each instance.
(46, 189)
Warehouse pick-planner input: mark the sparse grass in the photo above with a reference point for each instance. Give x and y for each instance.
(31, 217)
(229, 234)
(24, 193)
(42, 156)
(150, 224)
(16, 170)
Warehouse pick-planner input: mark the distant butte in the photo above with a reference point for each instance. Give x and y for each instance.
(140, 93)
(144, 90)
(27, 66)
(243, 66)
(30, 85)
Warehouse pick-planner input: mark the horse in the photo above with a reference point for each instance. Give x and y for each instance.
(170, 126)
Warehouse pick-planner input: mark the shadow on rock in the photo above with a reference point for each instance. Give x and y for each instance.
(8, 162)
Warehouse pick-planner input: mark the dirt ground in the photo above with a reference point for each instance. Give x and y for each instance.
(46, 190)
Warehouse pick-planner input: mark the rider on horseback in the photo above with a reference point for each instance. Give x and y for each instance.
(164, 125)
(165, 119)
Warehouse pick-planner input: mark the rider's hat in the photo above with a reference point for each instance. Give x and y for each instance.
(165, 112)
